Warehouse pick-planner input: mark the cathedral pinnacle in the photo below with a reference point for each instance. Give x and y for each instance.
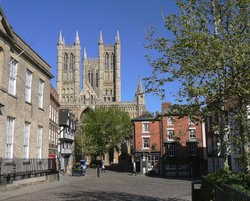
(84, 53)
(117, 38)
(77, 40)
(100, 38)
(60, 41)
(139, 87)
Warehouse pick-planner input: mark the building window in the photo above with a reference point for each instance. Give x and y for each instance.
(96, 80)
(146, 142)
(26, 138)
(171, 150)
(40, 93)
(28, 86)
(12, 77)
(145, 127)
(170, 135)
(106, 61)
(192, 149)
(65, 67)
(170, 121)
(9, 138)
(39, 142)
(192, 135)
(71, 62)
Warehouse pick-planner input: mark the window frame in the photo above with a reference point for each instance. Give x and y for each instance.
(26, 139)
(39, 142)
(41, 94)
(9, 145)
(170, 120)
(144, 142)
(191, 136)
(168, 134)
(192, 149)
(171, 152)
(145, 127)
(13, 65)
(28, 86)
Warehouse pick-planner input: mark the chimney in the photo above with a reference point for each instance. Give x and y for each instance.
(165, 106)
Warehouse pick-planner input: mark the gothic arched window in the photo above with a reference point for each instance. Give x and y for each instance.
(106, 61)
(112, 62)
(65, 67)
(71, 61)
(96, 80)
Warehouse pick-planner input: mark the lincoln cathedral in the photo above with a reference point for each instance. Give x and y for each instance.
(101, 78)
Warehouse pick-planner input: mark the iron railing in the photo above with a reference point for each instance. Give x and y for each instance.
(220, 193)
(17, 169)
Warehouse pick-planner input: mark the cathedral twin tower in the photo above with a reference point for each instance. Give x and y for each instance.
(101, 79)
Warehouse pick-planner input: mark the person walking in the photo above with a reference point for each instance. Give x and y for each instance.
(134, 168)
(103, 167)
(98, 170)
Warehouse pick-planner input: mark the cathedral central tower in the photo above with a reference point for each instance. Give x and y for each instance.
(101, 78)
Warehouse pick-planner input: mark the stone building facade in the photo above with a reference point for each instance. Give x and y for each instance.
(24, 94)
(53, 123)
(101, 78)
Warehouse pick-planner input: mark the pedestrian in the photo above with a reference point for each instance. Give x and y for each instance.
(134, 168)
(98, 170)
(103, 167)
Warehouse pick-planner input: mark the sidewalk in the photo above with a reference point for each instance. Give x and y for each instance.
(23, 187)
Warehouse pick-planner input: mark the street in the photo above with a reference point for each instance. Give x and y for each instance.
(109, 186)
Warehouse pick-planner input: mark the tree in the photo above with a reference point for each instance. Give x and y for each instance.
(209, 56)
(101, 130)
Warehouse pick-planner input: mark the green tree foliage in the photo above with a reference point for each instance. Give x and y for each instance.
(236, 180)
(101, 130)
(208, 54)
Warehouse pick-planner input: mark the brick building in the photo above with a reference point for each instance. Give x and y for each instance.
(183, 139)
(170, 143)
(146, 143)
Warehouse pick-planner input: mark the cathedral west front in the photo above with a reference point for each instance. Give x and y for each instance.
(101, 78)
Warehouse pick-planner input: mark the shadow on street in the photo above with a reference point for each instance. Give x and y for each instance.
(110, 196)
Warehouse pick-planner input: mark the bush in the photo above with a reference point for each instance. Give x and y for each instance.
(237, 180)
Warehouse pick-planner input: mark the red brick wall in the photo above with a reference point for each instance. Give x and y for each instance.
(154, 133)
(181, 129)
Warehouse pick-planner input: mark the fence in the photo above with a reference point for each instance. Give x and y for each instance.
(17, 169)
(213, 192)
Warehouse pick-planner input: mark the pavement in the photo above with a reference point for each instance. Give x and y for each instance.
(110, 186)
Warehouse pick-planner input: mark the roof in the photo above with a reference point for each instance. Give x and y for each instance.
(144, 117)
(22, 47)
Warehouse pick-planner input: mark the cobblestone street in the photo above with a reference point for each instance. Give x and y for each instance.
(109, 186)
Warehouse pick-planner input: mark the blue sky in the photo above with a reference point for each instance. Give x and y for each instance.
(39, 22)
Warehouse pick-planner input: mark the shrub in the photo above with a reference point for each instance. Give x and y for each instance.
(237, 180)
